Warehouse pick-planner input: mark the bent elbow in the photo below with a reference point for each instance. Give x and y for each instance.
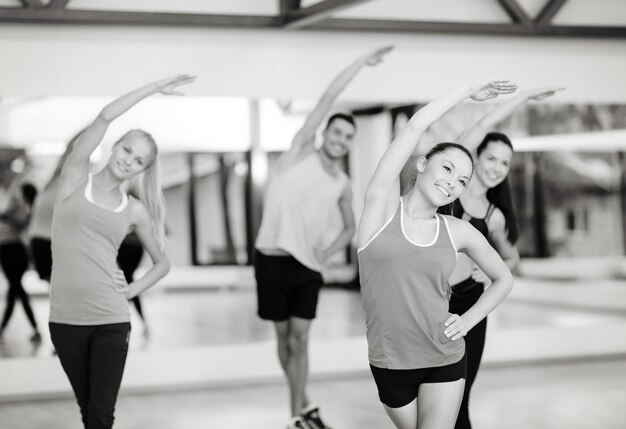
(508, 282)
(167, 266)
(513, 264)
(162, 265)
(105, 116)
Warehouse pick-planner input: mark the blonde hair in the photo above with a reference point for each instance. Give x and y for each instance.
(150, 191)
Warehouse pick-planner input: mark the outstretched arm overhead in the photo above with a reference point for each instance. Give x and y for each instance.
(472, 138)
(383, 190)
(76, 167)
(303, 142)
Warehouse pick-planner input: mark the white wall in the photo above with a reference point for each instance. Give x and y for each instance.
(106, 60)
(195, 123)
(370, 143)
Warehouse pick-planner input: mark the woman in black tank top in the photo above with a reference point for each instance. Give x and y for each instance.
(491, 165)
(488, 206)
(467, 281)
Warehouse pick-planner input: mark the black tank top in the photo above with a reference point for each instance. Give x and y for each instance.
(479, 223)
(466, 293)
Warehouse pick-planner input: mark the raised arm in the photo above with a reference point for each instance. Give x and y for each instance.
(472, 138)
(76, 167)
(383, 191)
(385, 181)
(303, 142)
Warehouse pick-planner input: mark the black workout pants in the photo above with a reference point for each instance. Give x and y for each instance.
(93, 357)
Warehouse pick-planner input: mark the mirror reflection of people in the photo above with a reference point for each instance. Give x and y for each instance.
(40, 228)
(307, 187)
(14, 254)
(128, 258)
(89, 311)
(407, 252)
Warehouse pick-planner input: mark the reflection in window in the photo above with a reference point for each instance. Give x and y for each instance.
(572, 206)
(220, 208)
(206, 221)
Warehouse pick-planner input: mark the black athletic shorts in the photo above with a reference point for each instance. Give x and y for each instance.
(398, 387)
(285, 287)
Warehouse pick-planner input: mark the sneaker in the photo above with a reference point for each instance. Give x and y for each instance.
(311, 416)
(298, 423)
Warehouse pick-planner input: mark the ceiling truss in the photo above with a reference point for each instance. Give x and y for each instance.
(315, 17)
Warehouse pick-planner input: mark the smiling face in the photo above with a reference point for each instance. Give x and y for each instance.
(494, 163)
(442, 177)
(337, 138)
(131, 155)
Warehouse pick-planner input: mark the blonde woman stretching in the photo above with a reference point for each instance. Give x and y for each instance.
(89, 315)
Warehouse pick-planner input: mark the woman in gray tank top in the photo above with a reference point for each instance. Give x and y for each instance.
(413, 289)
(89, 314)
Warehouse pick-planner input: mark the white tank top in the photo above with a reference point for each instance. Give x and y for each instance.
(301, 213)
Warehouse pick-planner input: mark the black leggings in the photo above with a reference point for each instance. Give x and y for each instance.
(93, 357)
(14, 262)
(465, 295)
(128, 258)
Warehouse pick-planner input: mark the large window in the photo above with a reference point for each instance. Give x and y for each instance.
(207, 209)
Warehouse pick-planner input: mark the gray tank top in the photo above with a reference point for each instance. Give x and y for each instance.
(405, 295)
(85, 242)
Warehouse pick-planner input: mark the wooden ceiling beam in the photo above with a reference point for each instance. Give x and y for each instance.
(457, 28)
(550, 9)
(287, 6)
(74, 16)
(31, 4)
(57, 4)
(57, 15)
(300, 18)
(516, 12)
